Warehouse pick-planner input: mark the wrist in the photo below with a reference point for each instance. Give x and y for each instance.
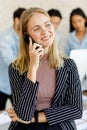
(31, 74)
(32, 68)
(42, 117)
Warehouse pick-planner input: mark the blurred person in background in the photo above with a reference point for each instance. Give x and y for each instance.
(9, 46)
(77, 38)
(56, 18)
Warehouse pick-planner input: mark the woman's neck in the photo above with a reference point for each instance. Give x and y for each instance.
(46, 50)
(16, 29)
(81, 34)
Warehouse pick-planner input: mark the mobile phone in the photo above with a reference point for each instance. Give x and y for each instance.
(26, 39)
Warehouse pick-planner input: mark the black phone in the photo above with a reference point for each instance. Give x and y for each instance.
(26, 39)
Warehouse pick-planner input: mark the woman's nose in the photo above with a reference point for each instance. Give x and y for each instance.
(44, 30)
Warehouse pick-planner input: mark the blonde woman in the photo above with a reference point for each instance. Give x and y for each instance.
(45, 86)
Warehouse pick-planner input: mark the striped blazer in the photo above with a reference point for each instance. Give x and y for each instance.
(67, 101)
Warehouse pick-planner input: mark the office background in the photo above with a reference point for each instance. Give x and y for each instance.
(7, 8)
(65, 6)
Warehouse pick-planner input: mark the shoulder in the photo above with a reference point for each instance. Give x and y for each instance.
(6, 32)
(12, 70)
(71, 35)
(6, 35)
(70, 64)
(71, 67)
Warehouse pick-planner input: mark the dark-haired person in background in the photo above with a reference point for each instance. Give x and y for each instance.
(56, 19)
(9, 46)
(77, 38)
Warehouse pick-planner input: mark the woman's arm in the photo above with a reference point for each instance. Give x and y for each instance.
(24, 93)
(73, 108)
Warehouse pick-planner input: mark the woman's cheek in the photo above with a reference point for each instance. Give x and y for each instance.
(37, 38)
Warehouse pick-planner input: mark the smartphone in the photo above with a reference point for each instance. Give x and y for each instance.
(26, 39)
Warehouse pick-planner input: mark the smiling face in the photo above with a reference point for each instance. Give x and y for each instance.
(41, 29)
(78, 22)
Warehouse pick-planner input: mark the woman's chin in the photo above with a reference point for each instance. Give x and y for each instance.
(47, 45)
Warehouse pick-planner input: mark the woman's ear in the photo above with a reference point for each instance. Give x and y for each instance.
(16, 21)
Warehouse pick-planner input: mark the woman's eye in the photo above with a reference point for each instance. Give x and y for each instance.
(36, 29)
(48, 25)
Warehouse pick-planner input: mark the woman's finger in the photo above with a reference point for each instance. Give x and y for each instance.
(30, 42)
(14, 119)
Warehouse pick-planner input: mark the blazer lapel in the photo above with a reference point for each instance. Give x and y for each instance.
(61, 76)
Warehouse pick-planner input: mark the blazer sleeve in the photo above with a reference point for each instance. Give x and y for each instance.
(23, 93)
(72, 110)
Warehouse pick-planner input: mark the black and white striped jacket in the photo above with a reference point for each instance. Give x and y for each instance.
(67, 101)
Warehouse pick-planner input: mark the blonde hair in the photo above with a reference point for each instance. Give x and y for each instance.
(22, 61)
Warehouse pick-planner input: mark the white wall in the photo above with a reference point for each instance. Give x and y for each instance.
(65, 6)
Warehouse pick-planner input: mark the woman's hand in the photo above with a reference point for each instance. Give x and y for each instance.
(42, 117)
(12, 114)
(36, 51)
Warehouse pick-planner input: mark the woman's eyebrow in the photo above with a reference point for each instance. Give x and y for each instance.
(35, 26)
(39, 25)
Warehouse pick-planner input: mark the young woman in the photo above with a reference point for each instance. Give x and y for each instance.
(77, 38)
(45, 86)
